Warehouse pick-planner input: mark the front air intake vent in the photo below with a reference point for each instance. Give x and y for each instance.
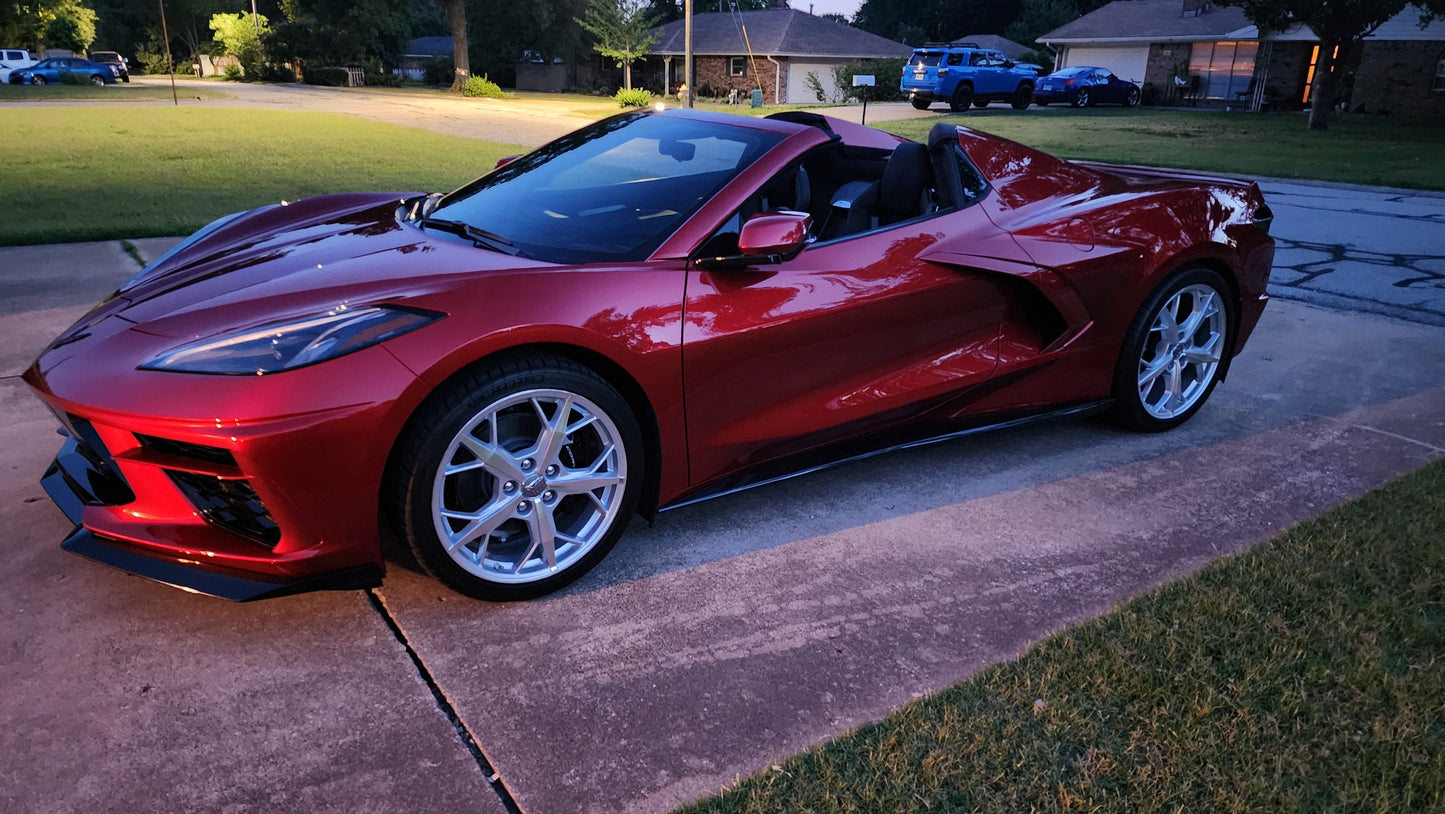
(185, 449)
(229, 503)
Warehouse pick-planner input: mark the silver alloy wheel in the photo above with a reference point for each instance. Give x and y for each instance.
(529, 485)
(1182, 351)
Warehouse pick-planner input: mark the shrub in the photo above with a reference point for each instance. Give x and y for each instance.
(385, 79)
(482, 86)
(234, 73)
(331, 77)
(637, 97)
(887, 76)
(438, 71)
(277, 72)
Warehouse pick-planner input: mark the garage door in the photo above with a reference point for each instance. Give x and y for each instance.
(1126, 63)
(798, 92)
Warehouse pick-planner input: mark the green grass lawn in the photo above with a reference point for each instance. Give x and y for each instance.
(119, 92)
(1357, 149)
(1307, 674)
(93, 173)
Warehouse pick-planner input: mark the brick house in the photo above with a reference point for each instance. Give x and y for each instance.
(787, 45)
(1214, 55)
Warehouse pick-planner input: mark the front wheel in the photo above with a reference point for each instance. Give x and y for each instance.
(960, 100)
(1173, 351)
(37, 80)
(517, 478)
(920, 103)
(1023, 97)
(1082, 99)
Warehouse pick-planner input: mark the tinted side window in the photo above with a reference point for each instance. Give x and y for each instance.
(955, 59)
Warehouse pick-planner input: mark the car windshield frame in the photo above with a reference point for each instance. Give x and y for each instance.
(611, 192)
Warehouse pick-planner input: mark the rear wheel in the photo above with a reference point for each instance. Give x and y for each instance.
(1131, 99)
(1082, 100)
(1174, 351)
(961, 99)
(517, 478)
(1023, 97)
(920, 103)
(97, 79)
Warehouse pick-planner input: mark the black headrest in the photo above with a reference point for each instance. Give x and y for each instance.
(904, 177)
(942, 131)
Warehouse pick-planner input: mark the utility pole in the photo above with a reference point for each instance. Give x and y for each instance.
(170, 66)
(255, 18)
(687, 51)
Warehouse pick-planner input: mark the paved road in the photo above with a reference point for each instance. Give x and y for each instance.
(728, 636)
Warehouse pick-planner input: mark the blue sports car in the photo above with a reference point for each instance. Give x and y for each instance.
(1082, 86)
(52, 71)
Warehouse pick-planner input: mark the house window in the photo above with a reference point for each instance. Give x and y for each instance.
(737, 66)
(1224, 68)
(1439, 86)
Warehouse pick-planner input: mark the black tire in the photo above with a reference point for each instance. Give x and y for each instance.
(1131, 99)
(37, 80)
(1082, 98)
(421, 489)
(97, 79)
(125, 79)
(1023, 97)
(961, 99)
(1129, 371)
(980, 103)
(920, 103)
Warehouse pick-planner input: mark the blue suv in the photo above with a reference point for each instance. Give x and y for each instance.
(963, 74)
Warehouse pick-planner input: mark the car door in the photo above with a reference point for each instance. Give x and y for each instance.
(1107, 88)
(847, 338)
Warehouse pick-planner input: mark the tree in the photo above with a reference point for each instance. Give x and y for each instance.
(1340, 26)
(623, 32)
(237, 35)
(457, 18)
(49, 23)
(1038, 17)
(835, 17)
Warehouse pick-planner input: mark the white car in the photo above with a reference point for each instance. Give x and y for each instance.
(13, 59)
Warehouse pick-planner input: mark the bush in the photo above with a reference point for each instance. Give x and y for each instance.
(637, 97)
(438, 71)
(482, 86)
(331, 77)
(385, 79)
(234, 73)
(887, 76)
(277, 72)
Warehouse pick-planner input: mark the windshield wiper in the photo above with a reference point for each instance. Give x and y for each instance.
(480, 237)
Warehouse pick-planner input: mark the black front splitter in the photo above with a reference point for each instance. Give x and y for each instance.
(200, 579)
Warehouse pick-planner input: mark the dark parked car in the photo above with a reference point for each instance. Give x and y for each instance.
(52, 71)
(1082, 86)
(114, 61)
(662, 307)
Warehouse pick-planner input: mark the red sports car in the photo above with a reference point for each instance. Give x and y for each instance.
(656, 309)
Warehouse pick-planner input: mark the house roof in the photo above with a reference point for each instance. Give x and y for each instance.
(777, 32)
(994, 42)
(429, 47)
(1154, 21)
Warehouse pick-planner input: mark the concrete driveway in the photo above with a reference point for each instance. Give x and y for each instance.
(730, 635)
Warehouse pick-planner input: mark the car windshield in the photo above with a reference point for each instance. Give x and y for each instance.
(925, 59)
(612, 191)
(1068, 72)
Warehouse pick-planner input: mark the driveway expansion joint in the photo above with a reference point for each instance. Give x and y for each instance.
(494, 779)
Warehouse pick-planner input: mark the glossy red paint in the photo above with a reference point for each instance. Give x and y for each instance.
(1014, 303)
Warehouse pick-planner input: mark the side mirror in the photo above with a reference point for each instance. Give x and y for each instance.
(767, 237)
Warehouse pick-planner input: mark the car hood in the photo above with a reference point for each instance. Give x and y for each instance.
(292, 259)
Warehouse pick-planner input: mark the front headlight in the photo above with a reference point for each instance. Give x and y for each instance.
(292, 344)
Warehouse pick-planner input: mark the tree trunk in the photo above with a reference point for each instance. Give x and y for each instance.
(1325, 86)
(457, 16)
(627, 75)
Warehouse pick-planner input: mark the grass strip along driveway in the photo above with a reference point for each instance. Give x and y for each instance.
(95, 173)
(1306, 674)
(1357, 149)
(118, 92)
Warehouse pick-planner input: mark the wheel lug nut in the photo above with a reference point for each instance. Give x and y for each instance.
(528, 463)
(509, 486)
(549, 495)
(524, 507)
(551, 470)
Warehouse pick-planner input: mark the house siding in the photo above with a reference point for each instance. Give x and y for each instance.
(1395, 76)
(712, 74)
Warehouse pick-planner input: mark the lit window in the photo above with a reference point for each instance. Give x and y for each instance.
(1439, 76)
(737, 66)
